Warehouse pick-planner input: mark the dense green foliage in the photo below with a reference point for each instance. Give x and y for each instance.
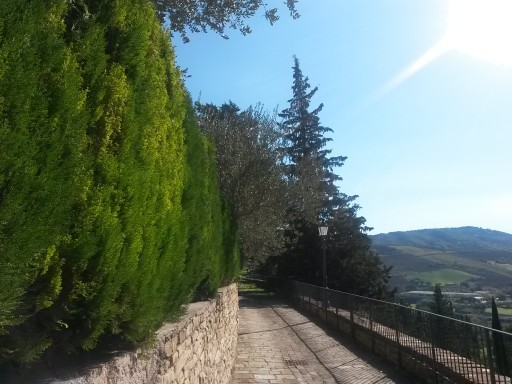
(352, 266)
(250, 174)
(212, 253)
(110, 211)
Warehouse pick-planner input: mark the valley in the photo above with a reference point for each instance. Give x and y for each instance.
(471, 264)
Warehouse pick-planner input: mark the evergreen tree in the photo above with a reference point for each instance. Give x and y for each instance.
(42, 162)
(110, 210)
(445, 332)
(315, 199)
(353, 265)
(440, 305)
(500, 351)
(309, 167)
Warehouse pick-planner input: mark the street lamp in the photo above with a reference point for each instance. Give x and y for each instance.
(322, 231)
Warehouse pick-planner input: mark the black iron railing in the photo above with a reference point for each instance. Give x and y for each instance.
(443, 348)
(453, 350)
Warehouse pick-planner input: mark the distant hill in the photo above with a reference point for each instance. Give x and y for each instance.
(449, 239)
(450, 255)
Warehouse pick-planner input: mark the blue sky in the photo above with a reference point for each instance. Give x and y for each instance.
(430, 151)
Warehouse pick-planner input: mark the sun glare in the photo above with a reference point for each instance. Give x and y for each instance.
(481, 28)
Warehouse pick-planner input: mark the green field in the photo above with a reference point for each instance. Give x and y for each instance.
(508, 267)
(250, 288)
(442, 276)
(448, 252)
(501, 311)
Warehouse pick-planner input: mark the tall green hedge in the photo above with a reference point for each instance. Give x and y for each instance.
(212, 253)
(110, 212)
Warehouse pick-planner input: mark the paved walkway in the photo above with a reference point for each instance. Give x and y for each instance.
(276, 344)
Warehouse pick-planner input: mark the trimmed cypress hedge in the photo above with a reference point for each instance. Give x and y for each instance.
(110, 213)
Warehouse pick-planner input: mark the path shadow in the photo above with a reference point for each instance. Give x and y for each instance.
(392, 372)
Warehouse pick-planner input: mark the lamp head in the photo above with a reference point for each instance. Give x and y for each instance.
(322, 230)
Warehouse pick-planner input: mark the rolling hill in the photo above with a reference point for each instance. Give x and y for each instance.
(448, 255)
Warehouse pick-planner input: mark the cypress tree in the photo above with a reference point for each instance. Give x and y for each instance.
(445, 332)
(99, 199)
(42, 162)
(500, 351)
(439, 304)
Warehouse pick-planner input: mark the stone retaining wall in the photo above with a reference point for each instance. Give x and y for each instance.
(200, 349)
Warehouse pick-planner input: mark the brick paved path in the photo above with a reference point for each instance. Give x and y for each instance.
(276, 344)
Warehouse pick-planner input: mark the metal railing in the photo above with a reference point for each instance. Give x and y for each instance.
(452, 350)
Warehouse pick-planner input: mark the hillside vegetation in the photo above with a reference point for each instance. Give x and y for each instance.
(449, 239)
(448, 255)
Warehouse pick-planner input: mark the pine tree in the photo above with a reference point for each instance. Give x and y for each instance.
(352, 266)
(309, 166)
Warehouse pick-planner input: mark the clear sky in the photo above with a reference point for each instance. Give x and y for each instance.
(427, 129)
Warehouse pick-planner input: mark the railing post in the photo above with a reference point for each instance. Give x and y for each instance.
(490, 360)
(351, 305)
(337, 318)
(300, 295)
(317, 306)
(326, 306)
(371, 327)
(309, 300)
(397, 334)
(432, 343)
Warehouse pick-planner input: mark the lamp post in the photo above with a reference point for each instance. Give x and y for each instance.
(322, 231)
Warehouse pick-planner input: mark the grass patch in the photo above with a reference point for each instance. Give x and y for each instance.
(508, 267)
(414, 251)
(501, 311)
(443, 276)
(249, 288)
